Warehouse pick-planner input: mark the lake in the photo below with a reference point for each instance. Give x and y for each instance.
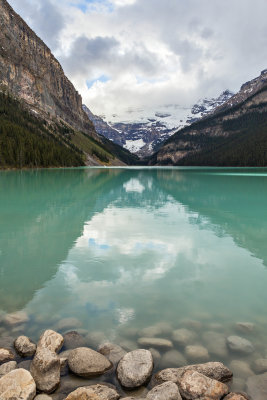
(111, 252)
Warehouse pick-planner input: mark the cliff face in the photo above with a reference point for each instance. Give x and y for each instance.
(32, 73)
(230, 128)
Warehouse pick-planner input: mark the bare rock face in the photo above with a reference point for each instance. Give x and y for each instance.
(17, 384)
(7, 367)
(50, 340)
(24, 346)
(155, 342)
(45, 369)
(94, 392)
(183, 337)
(6, 355)
(195, 386)
(135, 368)
(87, 362)
(240, 345)
(166, 391)
(112, 351)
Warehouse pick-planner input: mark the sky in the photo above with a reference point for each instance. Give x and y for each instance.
(122, 54)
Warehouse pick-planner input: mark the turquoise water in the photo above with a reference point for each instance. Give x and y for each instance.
(122, 249)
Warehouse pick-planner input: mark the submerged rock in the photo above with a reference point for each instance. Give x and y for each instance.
(165, 391)
(197, 353)
(112, 351)
(240, 345)
(94, 392)
(6, 355)
(73, 339)
(45, 369)
(183, 337)
(24, 346)
(245, 327)
(16, 318)
(7, 367)
(216, 344)
(173, 359)
(159, 329)
(87, 362)
(257, 387)
(241, 369)
(135, 368)
(17, 384)
(155, 342)
(68, 323)
(260, 365)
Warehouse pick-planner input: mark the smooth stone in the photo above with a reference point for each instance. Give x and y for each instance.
(216, 344)
(43, 397)
(24, 346)
(87, 362)
(73, 339)
(245, 327)
(195, 386)
(165, 391)
(241, 369)
(50, 340)
(6, 355)
(130, 332)
(213, 370)
(192, 324)
(183, 336)
(17, 384)
(155, 354)
(159, 329)
(260, 365)
(16, 318)
(25, 364)
(240, 345)
(197, 353)
(257, 387)
(173, 359)
(64, 366)
(236, 396)
(102, 392)
(128, 345)
(7, 367)
(238, 384)
(95, 339)
(7, 342)
(155, 342)
(135, 368)
(68, 323)
(113, 352)
(45, 369)
(137, 393)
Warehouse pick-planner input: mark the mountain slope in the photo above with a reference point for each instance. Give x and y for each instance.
(235, 134)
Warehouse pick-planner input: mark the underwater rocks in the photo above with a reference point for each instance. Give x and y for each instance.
(240, 345)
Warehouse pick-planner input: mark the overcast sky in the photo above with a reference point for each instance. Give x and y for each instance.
(131, 53)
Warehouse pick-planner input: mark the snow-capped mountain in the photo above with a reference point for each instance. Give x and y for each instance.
(142, 131)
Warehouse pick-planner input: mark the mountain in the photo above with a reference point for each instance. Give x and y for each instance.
(33, 80)
(143, 130)
(234, 134)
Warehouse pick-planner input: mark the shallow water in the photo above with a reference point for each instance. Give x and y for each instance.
(122, 249)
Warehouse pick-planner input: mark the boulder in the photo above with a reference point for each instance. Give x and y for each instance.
(17, 384)
(257, 387)
(197, 353)
(24, 346)
(165, 391)
(260, 365)
(183, 337)
(240, 345)
(7, 367)
(216, 344)
(45, 369)
(102, 392)
(112, 351)
(6, 355)
(155, 342)
(173, 359)
(87, 362)
(135, 368)
(50, 340)
(195, 386)
(73, 339)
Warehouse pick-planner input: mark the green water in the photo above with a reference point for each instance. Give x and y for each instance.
(128, 248)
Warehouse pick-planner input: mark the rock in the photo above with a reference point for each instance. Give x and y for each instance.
(128, 345)
(7, 367)
(16, 318)
(183, 336)
(67, 323)
(137, 393)
(216, 344)
(113, 352)
(245, 327)
(73, 339)
(192, 324)
(240, 368)
(165, 391)
(17, 384)
(155, 342)
(45, 369)
(197, 353)
(87, 362)
(43, 397)
(260, 365)
(213, 370)
(64, 366)
(24, 346)
(6, 355)
(238, 384)
(236, 396)
(162, 328)
(257, 387)
(95, 339)
(102, 392)
(240, 345)
(25, 364)
(173, 359)
(6, 342)
(155, 354)
(193, 385)
(135, 368)
(50, 340)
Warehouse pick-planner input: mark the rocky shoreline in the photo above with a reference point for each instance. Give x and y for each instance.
(36, 371)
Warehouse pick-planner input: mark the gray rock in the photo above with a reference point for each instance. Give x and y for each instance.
(195, 386)
(155, 354)
(236, 396)
(238, 384)
(73, 339)
(7, 367)
(87, 362)
(216, 344)
(45, 369)
(240, 345)
(101, 392)
(128, 345)
(6, 355)
(192, 324)
(113, 352)
(25, 364)
(68, 323)
(24, 346)
(183, 337)
(43, 397)
(16, 318)
(155, 342)
(245, 327)
(165, 391)
(137, 393)
(197, 353)
(260, 365)
(241, 369)
(257, 387)
(50, 340)
(95, 339)
(173, 359)
(7, 342)
(162, 328)
(135, 368)
(17, 384)
(64, 366)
